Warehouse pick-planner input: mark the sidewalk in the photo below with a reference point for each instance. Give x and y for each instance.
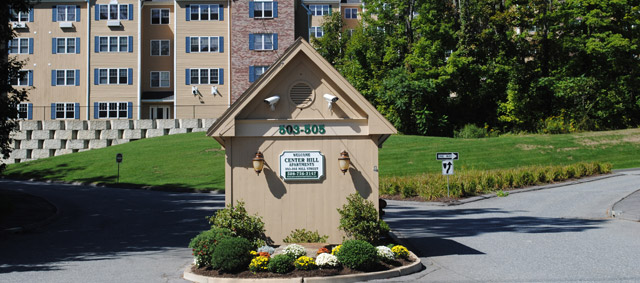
(26, 212)
(628, 208)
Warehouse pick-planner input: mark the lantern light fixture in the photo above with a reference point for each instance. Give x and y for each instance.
(344, 162)
(258, 162)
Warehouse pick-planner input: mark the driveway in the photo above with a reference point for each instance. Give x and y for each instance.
(106, 235)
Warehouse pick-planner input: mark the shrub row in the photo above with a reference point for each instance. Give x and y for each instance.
(473, 182)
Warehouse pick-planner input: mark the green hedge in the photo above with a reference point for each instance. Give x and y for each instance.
(473, 182)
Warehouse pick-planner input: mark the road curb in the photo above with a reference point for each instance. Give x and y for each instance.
(35, 225)
(620, 214)
(396, 272)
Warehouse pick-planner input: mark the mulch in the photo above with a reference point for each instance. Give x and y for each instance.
(204, 271)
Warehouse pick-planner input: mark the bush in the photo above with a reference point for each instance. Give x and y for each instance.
(471, 131)
(304, 236)
(326, 260)
(359, 220)
(281, 264)
(205, 244)
(357, 254)
(232, 255)
(236, 219)
(305, 263)
(258, 264)
(294, 250)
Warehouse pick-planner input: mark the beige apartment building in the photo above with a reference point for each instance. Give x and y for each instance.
(154, 59)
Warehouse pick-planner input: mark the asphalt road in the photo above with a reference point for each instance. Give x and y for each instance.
(553, 235)
(107, 235)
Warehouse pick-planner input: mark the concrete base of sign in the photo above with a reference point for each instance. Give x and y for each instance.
(399, 271)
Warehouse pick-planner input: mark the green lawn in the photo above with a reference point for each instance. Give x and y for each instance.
(196, 161)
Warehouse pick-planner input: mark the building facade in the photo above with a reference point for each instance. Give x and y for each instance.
(160, 59)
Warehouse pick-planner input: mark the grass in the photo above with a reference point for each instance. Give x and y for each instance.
(195, 161)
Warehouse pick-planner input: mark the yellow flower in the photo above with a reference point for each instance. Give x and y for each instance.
(400, 251)
(258, 264)
(336, 249)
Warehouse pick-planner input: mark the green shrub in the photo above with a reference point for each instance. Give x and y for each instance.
(357, 254)
(232, 255)
(281, 264)
(304, 236)
(236, 219)
(205, 244)
(471, 131)
(359, 219)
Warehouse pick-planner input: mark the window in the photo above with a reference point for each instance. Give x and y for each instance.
(160, 79)
(113, 110)
(204, 76)
(21, 46)
(263, 41)
(205, 13)
(351, 13)
(22, 78)
(256, 71)
(204, 44)
(114, 44)
(160, 47)
(23, 111)
(15, 16)
(64, 110)
(114, 11)
(316, 32)
(159, 16)
(66, 13)
(320, 10)
(65, 77)
(113, 76)
(65, 45)
(263, 9)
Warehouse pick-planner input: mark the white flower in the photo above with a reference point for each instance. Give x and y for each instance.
(295, 250)
(385, 253)
(326, 260)
(267, 249)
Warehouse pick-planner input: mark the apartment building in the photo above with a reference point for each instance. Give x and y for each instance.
(154, 59)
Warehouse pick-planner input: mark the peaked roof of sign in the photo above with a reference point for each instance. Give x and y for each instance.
(301, 46)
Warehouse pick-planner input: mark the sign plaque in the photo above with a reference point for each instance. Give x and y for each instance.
(301, 165)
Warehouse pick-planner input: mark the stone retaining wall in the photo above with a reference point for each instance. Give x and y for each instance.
(41, 139)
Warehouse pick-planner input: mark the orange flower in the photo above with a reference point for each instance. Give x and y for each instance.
(264, 254)
(323, 250)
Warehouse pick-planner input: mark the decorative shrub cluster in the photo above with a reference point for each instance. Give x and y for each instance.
(281, 263)
(359, 220)
(205, 244)
(241, 224)
(294, 250)
(232, 255)
(385, 254)
(326, 260)
(400, 251)
(304, 236)
(357, 254)
(305, 263)
(258, 264)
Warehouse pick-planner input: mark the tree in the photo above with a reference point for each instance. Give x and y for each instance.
(10, 97)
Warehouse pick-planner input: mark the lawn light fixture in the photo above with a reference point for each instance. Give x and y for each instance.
(258, 162)
(344, 161)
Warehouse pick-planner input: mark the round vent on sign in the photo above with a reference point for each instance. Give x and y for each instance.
(301, 94)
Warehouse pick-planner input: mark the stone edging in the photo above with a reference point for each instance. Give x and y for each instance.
(399, 271)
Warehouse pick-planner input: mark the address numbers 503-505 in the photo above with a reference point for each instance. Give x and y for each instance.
(308, 129)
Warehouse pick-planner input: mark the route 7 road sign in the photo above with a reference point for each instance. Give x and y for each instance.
(447, 167)
(447, 156)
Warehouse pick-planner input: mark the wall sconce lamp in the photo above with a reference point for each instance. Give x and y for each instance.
(344, 161)
(258, 162)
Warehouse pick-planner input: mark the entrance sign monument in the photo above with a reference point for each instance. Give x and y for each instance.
(301, 124)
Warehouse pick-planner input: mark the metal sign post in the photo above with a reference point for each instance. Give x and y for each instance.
(118, 160)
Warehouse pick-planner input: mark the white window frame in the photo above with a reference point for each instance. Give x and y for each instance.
(209, 76)
(319, 10)
(67, 45)
(121, 44)
(212, 40)
(262, 37)
(68, 13)
(317, 32)
(20, 16)
(259, 11)
(113, 110)
(162, 82)
(23, 111)
(119, 10)
(348, 13)
(68, 77)
(107, 74)
(160, 16)
(160, 43)
(22, 79)
(197, 12)
(23, 43)
(67, 109)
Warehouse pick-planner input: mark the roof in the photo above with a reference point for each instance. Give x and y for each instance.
(377, 125)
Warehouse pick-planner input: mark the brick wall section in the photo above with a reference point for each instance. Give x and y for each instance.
(243, 25)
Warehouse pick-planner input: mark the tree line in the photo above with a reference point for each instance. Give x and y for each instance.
(434, 66)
